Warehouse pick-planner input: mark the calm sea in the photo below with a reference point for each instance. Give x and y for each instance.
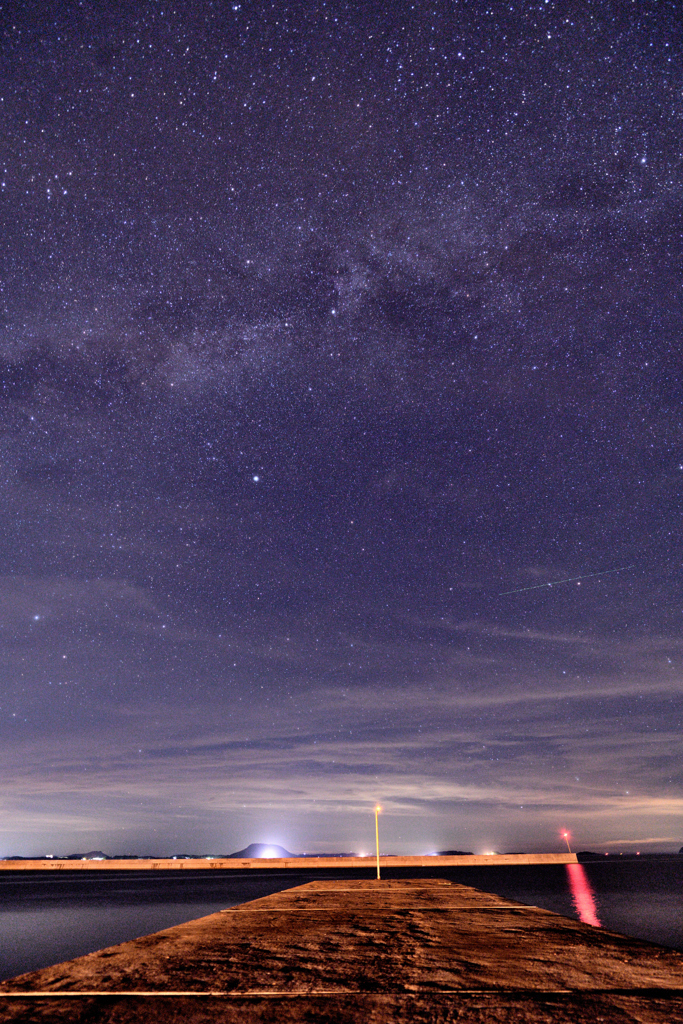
(46, 918)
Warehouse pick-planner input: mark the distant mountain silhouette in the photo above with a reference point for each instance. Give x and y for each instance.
(262, 850)
(454, 853)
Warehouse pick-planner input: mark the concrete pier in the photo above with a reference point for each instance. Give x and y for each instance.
(417, 950)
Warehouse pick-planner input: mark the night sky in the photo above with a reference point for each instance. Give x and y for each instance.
(324, 326)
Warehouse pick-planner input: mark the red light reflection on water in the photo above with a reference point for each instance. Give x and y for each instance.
(583, 896)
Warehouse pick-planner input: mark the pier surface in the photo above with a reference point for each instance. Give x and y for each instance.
(414, 950)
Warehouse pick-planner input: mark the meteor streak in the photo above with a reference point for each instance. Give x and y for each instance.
(570, 579)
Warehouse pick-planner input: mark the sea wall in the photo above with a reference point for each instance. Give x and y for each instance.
(287, 863)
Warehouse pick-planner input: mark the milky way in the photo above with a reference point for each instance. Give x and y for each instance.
(328, 333)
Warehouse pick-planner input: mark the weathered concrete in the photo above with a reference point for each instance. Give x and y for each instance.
(364, 951)
(287, 863)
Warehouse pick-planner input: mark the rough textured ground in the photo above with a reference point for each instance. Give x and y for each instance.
(372, 951)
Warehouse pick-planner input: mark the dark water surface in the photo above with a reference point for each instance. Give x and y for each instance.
(47, 917)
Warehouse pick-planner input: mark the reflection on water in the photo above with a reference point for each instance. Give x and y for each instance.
(583, 896)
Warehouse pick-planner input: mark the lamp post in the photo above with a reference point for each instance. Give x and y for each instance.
(565, 836)
(377, 810)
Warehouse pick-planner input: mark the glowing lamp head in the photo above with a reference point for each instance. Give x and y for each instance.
(378, 809)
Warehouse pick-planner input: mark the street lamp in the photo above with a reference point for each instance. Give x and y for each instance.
(377, 810)
(565, 836)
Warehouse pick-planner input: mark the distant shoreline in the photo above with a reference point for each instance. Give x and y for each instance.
(286, 863)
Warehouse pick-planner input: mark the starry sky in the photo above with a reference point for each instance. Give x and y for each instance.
(329, 333)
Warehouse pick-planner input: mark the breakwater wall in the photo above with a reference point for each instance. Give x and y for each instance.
(287, 863)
